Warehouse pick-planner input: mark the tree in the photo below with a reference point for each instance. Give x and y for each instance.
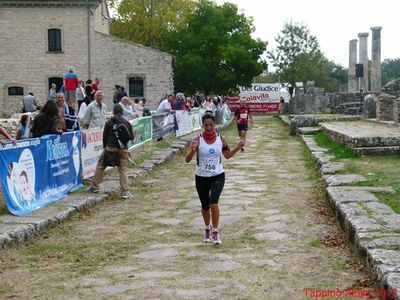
(298, 58)
(148, 21)
(214, 51)
(390, 69)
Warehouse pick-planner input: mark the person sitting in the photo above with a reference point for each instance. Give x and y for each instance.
(46, 121)
(23, 126)
(30, 103)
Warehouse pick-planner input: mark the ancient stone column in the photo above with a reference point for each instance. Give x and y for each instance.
(363, 59)
(376, 59)
(352, 83)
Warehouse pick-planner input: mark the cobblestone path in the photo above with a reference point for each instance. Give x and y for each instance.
(275, 229)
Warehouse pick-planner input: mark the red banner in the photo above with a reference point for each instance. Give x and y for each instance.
(268, 107)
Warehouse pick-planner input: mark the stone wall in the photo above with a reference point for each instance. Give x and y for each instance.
(316, 101)
(117, 60)
(392, 88)
(384, 107)
(25, 61)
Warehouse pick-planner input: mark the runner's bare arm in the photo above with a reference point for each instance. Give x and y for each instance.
(193, 148)
(227, 152)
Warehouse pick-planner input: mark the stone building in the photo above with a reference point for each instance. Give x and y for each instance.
(39, 39)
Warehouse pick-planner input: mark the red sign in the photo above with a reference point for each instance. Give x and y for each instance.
(268, 107)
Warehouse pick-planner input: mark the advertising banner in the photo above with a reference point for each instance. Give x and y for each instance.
(39, 171)
(260, 97)
(142, 131)
(92, 146)
(188, 121)
(195, 114)
(163, 124)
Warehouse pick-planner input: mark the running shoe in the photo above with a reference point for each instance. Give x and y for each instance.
(93, 190)
(127, 195)
(207, 235)
(216, 238)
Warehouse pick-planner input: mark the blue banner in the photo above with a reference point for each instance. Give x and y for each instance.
(37, 172)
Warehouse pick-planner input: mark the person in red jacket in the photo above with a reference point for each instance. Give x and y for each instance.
(242, 116)
(70, 84)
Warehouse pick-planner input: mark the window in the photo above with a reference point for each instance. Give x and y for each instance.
(136, 88)
(15, 91)
(54, 39)
(58, 81)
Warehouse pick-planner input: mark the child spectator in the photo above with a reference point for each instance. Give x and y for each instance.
(22, 128)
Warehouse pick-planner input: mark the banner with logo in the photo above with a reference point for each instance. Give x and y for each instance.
(39, 171)
(260, 97)
(92, 147)
(163, 125)
(142, 131)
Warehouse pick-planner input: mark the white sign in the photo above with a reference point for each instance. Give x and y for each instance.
(260, 92)
(92, 147)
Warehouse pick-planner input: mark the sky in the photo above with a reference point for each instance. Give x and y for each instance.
(333, 22)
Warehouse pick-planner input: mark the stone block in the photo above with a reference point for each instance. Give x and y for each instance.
(340, 179)
(383, 261)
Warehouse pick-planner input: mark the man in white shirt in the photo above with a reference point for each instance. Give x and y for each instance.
(128, 112)
(95, 115)
(165, 105)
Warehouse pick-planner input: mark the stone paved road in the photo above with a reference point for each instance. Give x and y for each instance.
(273, 223)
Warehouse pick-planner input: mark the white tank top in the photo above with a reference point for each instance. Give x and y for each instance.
(209, 158)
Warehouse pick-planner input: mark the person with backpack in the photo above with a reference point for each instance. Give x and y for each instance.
(116, 135)
(242, 116)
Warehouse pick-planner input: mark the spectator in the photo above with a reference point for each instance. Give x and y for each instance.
(111, 145)
(23, 127)
(209, 104)
(188, 103)
(83, 107)
(165, 105)
(89, 90)
(122, 93)
(128, 112)
(146, 111)
(115, 94)
(60, 102)
(70, 83)
(138, 107)
(53, 92)
(179, 103)
(71, 121)
(30, 103)
(95, 115)
(198, 101)
(4, 133)
(46, 121)
(96, 84)
(80, 93)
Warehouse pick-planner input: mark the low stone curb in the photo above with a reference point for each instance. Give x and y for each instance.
(16, 230)
(372, 228)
